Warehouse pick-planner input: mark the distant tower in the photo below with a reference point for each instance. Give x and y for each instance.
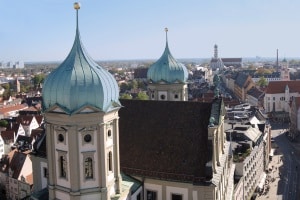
(216, 51)
(17, 86)
(216, 62)
(81, 104)
(277, 63)
(284, 70)
(167, 78)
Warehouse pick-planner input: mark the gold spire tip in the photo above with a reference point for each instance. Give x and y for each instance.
(76, 5)
(166, 29)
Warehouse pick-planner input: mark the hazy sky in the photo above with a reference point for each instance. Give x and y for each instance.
(43, 30)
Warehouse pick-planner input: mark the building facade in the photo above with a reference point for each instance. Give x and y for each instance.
(81, 117)
(279, 95)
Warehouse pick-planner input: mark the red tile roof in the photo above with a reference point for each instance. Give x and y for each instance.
(39, 118)
(276, 87)
(7, 136)
(13, 108)
(24, 120)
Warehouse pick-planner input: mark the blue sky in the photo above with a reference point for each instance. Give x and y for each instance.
(43, 30)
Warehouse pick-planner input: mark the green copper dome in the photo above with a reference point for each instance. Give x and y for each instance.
(167, 68)
(79, 82)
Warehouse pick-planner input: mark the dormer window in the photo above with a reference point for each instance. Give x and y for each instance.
(176, 96)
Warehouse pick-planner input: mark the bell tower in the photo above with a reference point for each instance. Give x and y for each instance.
(167, 78)
(80, 103)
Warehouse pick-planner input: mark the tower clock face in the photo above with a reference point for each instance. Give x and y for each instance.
(87, 138)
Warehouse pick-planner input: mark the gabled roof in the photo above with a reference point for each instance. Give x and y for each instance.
(35, 133)
(13, 108)
(17, 163)
(297, 102)
(39, 118)
(14, 126)
(251, 133)
(165, 139)
(7, 136)
(241, 79)
(24, 120)
(256, 93)
(5, 162)
(276, 87)
(39, 146)
(231, 59)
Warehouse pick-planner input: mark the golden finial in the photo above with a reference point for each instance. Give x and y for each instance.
(76, 5)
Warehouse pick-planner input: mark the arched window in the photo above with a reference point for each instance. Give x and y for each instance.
(109, 133)
(88, 168)
(62, 163)
(110, 161)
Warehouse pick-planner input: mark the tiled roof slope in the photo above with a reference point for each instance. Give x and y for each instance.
(275, 87)
(7, 109)
(17, 163)
(241, 79)
(165, 140)
(297, 101)
(24, 120)
(256, 92)
(7, 136)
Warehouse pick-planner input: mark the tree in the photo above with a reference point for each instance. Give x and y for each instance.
(262, 81)
(37, 79)
(126, 96)
(3, 123)
(142, 96)
(133, 85)
(142, 85)
(263, 71)
(123, 87)
(7, 91)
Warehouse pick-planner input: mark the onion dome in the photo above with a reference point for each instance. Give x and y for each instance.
(80, 82)
(167, 68)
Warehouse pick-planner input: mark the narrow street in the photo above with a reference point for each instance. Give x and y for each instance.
(286, 162)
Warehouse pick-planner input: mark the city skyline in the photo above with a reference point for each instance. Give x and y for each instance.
(45, 30)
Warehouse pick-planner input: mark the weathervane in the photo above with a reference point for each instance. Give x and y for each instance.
(77, 7)
(166, 29)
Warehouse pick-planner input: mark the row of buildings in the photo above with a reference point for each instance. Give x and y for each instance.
(12, 64)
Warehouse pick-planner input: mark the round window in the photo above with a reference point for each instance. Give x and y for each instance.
(61, 137)
(87, 138)
(162, 97)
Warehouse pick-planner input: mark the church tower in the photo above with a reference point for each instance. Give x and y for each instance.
(80, 103)
(284, 71)
(167, 78)
(216, 51)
